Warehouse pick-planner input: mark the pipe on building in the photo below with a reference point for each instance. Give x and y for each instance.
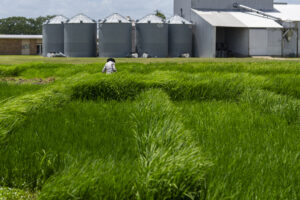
(236, 5)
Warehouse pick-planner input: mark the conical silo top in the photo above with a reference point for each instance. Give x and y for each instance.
(57, 20)
(176, 19)
(115, 18)
(81, 18)
(151, 19)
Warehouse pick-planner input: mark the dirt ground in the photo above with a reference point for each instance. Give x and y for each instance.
(35, 81)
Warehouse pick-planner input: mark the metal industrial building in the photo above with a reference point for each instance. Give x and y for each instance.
(115, 39)
(152, 36)
(242, 27)
(80, 37)
(53, 35)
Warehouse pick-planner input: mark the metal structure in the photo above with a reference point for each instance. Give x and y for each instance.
(228, 4)
(80, 37)
(152, 36)
(115, 38)
(242, 27)
(180, 36)
(53, 35)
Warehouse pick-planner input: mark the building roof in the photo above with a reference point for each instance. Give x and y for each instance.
(238, 19)
(151, 19)
(57, 20)
(115, 18)
(21, 36)
(176, 19)
(289, 12)
(80, 18)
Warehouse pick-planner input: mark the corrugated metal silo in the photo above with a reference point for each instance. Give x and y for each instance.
(53, 35)
(80, 37)
(152, 36)
(115, 37)
(180, 36)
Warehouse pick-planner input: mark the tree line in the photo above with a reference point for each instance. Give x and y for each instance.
(23, 25)
(32, 26)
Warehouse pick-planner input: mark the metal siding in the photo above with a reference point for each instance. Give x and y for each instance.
(180, 39)
(185, 5)
(228, 4)
(274, 42)
(152, 39)
(298, 39)
(80, 40)
(53, 38)
(258, 42)
(115, 39)
(204, 37)
(290, 47)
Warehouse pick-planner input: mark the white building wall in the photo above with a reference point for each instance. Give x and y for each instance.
(204, 37)
(265, 42)
(183, 8)
(258, 42)
(228, 4)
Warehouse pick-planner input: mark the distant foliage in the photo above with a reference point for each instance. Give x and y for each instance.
(160, 14)
(23, 25)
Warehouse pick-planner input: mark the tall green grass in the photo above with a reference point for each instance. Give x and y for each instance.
(245, 116)
(106, 150)
(73, 133)
(13, 90)
(255, 151)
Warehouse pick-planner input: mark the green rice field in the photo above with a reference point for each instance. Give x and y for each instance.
(204, 129)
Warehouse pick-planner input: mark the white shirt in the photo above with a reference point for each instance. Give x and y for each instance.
(109, 68)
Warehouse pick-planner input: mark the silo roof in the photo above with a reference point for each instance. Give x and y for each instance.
(152, 19)
(115, 18)
(81, 18)
(236, 19)
(57, 20)
(176, 19)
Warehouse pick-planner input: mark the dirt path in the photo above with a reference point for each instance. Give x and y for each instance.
(35, 81)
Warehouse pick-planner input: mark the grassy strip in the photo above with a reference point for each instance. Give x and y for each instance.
(168, 163)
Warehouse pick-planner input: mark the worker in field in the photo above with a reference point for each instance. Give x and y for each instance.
(110, 66)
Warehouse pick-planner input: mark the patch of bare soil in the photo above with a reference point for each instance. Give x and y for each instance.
(35, 81)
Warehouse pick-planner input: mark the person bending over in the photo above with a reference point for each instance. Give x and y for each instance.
(110, 66)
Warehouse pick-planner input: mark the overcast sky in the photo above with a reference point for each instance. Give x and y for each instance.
(96, 9)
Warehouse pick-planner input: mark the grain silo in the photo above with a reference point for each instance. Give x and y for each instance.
(80, 37)
(53, 35)
(152, 36)
(115, 37)
(180, 36)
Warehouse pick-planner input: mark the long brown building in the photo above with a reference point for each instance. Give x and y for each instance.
(21, 44)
